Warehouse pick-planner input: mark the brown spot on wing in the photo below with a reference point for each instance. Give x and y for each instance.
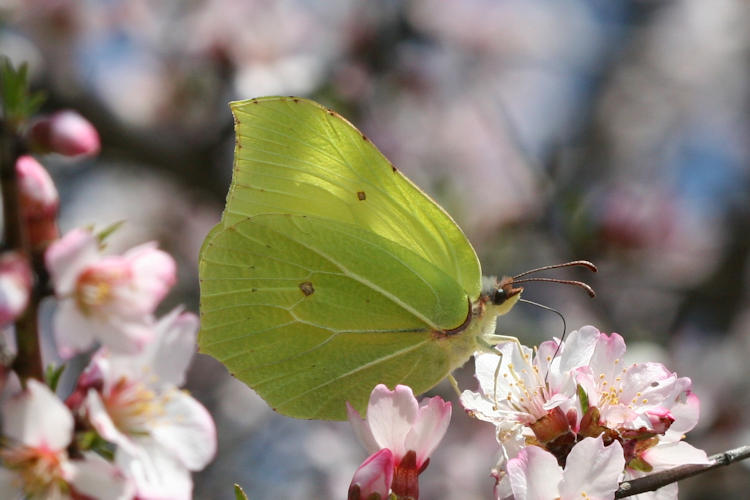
(361, 196)
(307, 288)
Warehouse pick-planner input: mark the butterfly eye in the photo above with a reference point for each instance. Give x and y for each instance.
(499, 296)
(504, 290)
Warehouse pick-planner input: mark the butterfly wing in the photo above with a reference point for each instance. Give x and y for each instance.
(313, 312)
(294, 156)
(330, 271)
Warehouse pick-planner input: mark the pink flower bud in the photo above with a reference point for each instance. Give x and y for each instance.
(373, 478)
(38, 193)
(39, 201)
(15, 286)
(65, 132)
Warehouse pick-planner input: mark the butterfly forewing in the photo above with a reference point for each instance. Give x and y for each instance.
(294, 156)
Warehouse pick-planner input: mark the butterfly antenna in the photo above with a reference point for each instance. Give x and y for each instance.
(581, 284)
(573, 263)
(562, 337)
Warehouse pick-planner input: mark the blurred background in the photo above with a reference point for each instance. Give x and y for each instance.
(609, 130)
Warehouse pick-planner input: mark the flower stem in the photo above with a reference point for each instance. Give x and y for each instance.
(28, 362)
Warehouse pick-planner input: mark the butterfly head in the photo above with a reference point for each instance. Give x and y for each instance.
(505, 293)
(501, 294)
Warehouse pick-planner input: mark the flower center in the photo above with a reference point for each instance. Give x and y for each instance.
(39, 470)
(134, 408)
(94, 287)
(521, 397)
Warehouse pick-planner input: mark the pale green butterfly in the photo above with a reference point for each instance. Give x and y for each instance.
(331, 272)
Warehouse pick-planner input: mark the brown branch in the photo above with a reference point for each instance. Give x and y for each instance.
(655, 481)
(28, 362)
(15, 234)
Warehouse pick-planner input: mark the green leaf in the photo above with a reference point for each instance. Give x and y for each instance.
(105, 233)
(584, 398)
(239, 494)
(18, 102)
(92, 441)
(52, 375)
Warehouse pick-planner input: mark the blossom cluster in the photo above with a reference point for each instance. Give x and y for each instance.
(573, 421)
(127, 430)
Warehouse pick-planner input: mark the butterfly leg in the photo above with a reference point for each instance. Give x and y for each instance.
(454, 384)
(489, 344)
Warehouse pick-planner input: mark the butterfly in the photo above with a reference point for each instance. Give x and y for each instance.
(331, 272)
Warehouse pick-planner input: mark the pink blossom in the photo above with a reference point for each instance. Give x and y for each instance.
(591, 471)
(38, 429)
(519, 393)
(578, 389)
(15, 286)
(527, 396)
(373, 477)
(396, 421)
(161, 432)
(649, 407)
(106, 298)
(65, 132)
(38, 201)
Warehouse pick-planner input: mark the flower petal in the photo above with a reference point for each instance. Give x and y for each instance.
(429, 428)
(578, 348)
(512, 365)
(686, 414)
(68, 256)
(186, 430)
(361, 429)
(375, 475)
(73, 332)
(173, 346)
(390, 415)
(154, 273)
(534, 474)
(164, 360)
(608, 355)
(592, 470)
(155, 473)
(481, 407)
(15, 285)
(37, 418)
(96, 478)
(124, 335)
(668, 455)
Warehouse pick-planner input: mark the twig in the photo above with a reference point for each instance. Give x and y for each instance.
(659, 479)
(28, 362)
